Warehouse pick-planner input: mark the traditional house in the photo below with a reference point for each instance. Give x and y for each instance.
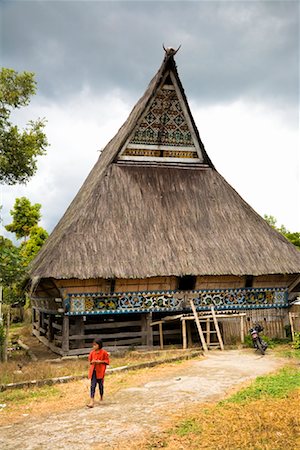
(153, 225)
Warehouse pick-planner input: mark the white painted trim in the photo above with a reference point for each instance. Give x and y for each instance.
(157, 159)
(161, 147)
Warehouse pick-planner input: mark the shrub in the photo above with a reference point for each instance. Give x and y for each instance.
(296, 343)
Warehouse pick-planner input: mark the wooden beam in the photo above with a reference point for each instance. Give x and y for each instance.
(198, 326)
(217, 328)
(294, 284)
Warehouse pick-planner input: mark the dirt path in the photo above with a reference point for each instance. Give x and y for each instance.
(135, 410)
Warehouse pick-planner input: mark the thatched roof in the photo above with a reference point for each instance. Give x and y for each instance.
(138, 219)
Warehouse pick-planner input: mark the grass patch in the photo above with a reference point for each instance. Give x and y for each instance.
(275, 386)
(189, 426)
(264, 416)
(25, 395)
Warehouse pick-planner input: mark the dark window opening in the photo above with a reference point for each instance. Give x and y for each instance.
(112, 285)
(187, 283)
(249, 281)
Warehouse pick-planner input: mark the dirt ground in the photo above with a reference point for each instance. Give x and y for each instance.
(140, 408)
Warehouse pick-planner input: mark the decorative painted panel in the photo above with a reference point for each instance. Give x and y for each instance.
(152, 301)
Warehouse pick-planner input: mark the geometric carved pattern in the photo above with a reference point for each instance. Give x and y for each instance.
(146, 301)
(241, 298)
(164, 123)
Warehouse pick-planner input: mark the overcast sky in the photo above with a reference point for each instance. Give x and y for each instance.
(238, 62)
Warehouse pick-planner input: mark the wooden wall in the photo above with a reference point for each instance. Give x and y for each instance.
(219, 282)
(274, 321)
(147, 284)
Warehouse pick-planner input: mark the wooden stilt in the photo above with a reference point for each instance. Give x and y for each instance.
(161, 337)
(149, 330)
(189, 334)
(217, 328)
(198, 326)
(184, 338)
(65, 335)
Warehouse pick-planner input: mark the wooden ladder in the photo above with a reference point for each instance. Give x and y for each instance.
(207, 344)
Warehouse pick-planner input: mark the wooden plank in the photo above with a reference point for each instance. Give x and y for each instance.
(217, 328)
(161, 337)
(108, 336)
(105, 325)
(198, 326)
(57, 326)
(184, 338)
(45, 341)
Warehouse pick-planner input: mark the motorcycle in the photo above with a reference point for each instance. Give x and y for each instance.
(258, 343)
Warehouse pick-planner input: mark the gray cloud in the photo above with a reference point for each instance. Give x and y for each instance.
(229, 49)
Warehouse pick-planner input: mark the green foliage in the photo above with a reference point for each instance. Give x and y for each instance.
(31, 247)
(18, 148)
(11, 265)
(294, 238)
(25, 217)
(274, 386)
(296, 343)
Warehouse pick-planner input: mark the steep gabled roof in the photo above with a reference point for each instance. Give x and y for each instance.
(154, 205)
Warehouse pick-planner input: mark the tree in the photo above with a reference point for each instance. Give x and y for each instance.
(31, 247)
(18, 149)
(25, 217)
(294, 238)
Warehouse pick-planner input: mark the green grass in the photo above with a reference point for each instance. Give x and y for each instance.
(189, 426)
(25, 395)
(273, 386)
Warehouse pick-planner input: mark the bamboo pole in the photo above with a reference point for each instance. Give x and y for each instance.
(292, 326)
(242, 330)
(217, 328)
(198, 326)
(189, 335)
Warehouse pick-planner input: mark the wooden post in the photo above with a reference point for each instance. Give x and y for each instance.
(161, 337)
(208, 332)
(189, 334)
(79, 329)
(217, 328)
(149, 330)
(184, 339)
(50, 331)
(242, 330)
(65, 335)
(292, 325)
(198, 326)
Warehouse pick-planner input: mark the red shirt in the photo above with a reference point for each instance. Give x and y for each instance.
(100, 369)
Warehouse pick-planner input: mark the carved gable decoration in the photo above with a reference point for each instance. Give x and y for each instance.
(165, 131)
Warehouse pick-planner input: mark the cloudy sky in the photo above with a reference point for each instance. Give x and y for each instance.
(238, 62)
